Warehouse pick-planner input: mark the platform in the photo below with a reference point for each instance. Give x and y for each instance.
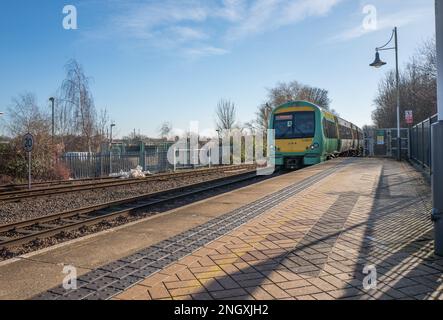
(318, 233)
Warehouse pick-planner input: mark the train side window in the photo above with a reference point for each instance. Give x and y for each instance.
(345, 133)
(330, 129)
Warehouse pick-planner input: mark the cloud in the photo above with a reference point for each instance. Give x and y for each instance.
(266, 15)
(399, 19)
(185, 34)
(201, 27)
(205, 51)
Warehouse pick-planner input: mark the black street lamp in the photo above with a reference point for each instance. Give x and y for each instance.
(52, 100)
(110, 140)
(378, 63)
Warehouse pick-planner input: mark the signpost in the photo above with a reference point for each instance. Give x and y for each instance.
(28, 145)
(409, 117)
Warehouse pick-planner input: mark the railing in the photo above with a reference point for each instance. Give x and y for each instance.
(421, 148)
(94, 165)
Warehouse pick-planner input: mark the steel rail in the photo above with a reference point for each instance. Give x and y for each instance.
(24, 194)
(22, 186)
(75, 219)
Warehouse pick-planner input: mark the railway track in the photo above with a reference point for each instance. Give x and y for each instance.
(43, 227)
(11, 196)
(24, 186)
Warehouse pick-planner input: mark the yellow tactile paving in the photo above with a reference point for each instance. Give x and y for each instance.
(316, 244)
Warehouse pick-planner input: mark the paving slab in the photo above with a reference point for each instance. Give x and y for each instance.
(26, 276)
(361, 233)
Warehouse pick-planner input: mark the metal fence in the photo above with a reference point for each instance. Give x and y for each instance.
(384, 143)
(421, 143)
(153, 158)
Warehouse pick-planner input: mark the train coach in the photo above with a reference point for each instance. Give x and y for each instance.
(306, 134)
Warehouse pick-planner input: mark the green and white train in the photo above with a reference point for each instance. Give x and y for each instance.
(306, 134)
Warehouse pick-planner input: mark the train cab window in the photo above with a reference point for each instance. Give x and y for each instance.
(294, 125)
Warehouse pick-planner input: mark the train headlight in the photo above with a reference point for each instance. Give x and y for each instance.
(315, 146)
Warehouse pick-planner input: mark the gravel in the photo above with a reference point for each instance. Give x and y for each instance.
(8, 253)
(26, 209)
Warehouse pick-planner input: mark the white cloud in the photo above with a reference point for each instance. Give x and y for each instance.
(185, 34)
(399, 19)
(201, 27)
(266, 15)
(232, 10)
(205, 51)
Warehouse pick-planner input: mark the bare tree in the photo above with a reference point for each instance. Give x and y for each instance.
(226, 114)
(77, 104)
(25, 116)
(294, 90)
(263, 115)
(103, 122)
(418, 90)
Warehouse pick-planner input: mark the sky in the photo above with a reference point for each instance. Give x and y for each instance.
(173, 60)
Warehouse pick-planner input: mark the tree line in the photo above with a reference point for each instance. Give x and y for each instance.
(78, 127)
(226, 111)
(418, 90)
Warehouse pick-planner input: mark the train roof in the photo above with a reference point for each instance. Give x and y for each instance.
(300, 103)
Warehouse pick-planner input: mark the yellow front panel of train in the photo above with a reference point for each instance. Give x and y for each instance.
(293, 145)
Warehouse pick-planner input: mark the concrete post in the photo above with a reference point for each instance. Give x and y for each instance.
(437, 139)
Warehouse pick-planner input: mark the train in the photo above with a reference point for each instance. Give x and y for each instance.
(306, 134)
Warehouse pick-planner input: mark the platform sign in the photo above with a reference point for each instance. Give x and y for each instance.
(380, 137)
(28, 145)
(409, 117)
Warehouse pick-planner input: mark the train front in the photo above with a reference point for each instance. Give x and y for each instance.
(296, 141)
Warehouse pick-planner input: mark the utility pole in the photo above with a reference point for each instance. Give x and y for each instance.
(437, 139)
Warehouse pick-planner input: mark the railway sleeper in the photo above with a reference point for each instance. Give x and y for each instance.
(25, 232)
(66, 220)
(48, 226)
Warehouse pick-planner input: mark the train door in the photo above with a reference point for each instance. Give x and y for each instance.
(339, 140)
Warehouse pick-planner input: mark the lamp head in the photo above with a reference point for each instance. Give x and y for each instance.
(378, 63)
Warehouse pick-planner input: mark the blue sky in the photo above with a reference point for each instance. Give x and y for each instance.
(172, 60)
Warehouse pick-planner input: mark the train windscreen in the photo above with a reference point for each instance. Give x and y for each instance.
(295, 125)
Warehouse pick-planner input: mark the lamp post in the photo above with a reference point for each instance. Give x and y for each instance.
(378, 63)
(52, 100)
(437, 139)
(110, 148)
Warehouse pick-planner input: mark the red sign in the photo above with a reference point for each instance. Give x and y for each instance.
(284, 117)
(409, 116)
